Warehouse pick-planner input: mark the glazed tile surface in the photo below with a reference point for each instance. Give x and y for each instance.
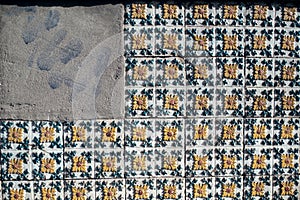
(212, 111)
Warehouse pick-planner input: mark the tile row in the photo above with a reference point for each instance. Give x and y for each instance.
(143, 133)
(209, 14)
(237, 188)
(209, 42)
(148, 162)
(220, 71)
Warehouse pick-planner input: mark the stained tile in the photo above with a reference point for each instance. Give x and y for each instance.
(110, 188)
(200, 188)
(200, 162)
(137, 14)
(261, 14)
(140, 189)
(169, 162)
(170, 188)
(169, 14)
(202, 14)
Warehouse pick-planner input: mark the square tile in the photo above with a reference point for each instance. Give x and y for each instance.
(259, 42)
(230, 14)
(200, 42)
(286, 132)
(139, 41)
(170, 72)
(200, 188)
(259, 102)
(200, 71)
(287, 72)
(109, 163)
(200, 162)
(286, 187)
(258, 132)
(287, 16)
(139, 133)
(202, 14)
(47, 134)
(169, 162)
(229, 132)
(228, 161)
(169, 41)
(139, 103)
(19, 189)
(229, 188)
(140, 189)
(170, 102)
(169, 133)
(258, 161)
(110, 188)
(140, 72)
(199, 132)
(109, 134)
(257, 187)
(200, 102)
(74, 189)
(139, 163)
(169, 15)
(287, 43)
(259, 72)
(287, 102)
(286, 160)
(78, 164)
(78, 134)
(48, 189)
(170, 188)
(260, 14)
(137, 14)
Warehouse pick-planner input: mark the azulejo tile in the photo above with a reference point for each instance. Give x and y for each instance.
(287, 72)
(139, 103)
(170, 102)
(109, 163)
(47, 165)
(139, 162)
(286, 132)
(287, 43)
(170, 72)
(259, 102)
(257, 187)
(258, 132)
(139, 41)
(228, 161)
(140, 189)
(287, 102)
(48, 189)
(230, 14)
(47, 135)
(285, 160)
(78, 134)
(230, 71)
(169, 41)
(15, 135)
(260, 15)
(228, 132)
(229, 188)
(202, 14)
(79, 189)
(140, 72)
(169, 14)
(139, 133)
(169, 133)
(287, 16)
(110, 189)
(200, 188)
(259, 72)
(109, 133)
(200, 162)
(200, 71)
(169, 162)
(78, 164)
(137, 14)
(259, 42)
(199, 132)
(16, 190)
(15, 165)
(200, 42)
(258, 161)
(286, 187)
(170, 188)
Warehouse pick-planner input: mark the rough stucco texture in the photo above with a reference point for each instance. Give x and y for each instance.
(61, 63)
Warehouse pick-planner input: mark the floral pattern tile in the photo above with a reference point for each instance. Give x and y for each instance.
(199, 162)
(79, 189)
(140, 189)
(169, 162)
(200, 188)
(258, 187)
(48, 189)
(259, 102)
(287, 43)
(258, 161)
(261, 14)
(228, 161)
(286, 187)
(110, 189)
(201, 14)
(109, 134)
(170, 188)
(287, 73)
(229, 188)
(286, 132)
(287, 102)
(285, 160)
(230, 14)
(137, 14)
(287, 16)
(169, 14)
(16, 190)
(228, 132)
(258, 132)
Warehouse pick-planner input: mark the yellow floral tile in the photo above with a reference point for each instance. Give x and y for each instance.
(286, 187)
(109, 133)
(170, 188)
(16, 190)
(230, 14)
(285, 160)
(229, 187)
(259, 72)
(169, 162)
(140, 189)
(257, 187)
(48, 189)
(229, 42)
(139, 14)
(79, 189)
(229, 132)
(201, 14)
(199, 132)
(110, 189)
(169, 14)
(287, 16)
(228, 161)
(78, 134)
(287, 43)
(199, 162)
(285, 131)
(139, 163)
(260, 15)
(258, 132)
(258, 161)
(287, 102)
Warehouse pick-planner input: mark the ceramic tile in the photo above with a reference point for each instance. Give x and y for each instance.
(228, 161)
(286, 131)
(140, 72)
(137, 14)
(230, 14)
(286, 187)
(16, 190)
(109, 163)
(229, 188)
(169, 14)
(140, 189)
(169, 162)
(202, 14)
(200, 132)
(260, 15)
(170, 188)
(200, 71)
(287, 72)
(48, 189)
(170, 72)
(287, 102)
(228, 132)
(286, 160)
(258, 161)
(200, 188)
(139, 41)
(79, 189)
(200, 162)
(259, 102)
(287, 43)
(257, 187)
(110, 189)
(287, 16)
(109, 134)
(258, 132)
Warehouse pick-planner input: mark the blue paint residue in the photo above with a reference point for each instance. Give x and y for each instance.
(54, 81)
(72, 50)
(44, 62)
(52, 19)
(29, 35)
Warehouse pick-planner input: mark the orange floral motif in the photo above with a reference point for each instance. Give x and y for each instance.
(200, 132)
(139, 102)
(47, 134)
(139, 134)
(170, 41)
(200, 162)
(288, 43)
(140, 72)
(200, 72)
(170, 11)
(230, 11)
(200, 190)
(171, 71)
(230, 42)
(170, 192)
(288, 102)
(138, 11)
(138, 41)
(287, 131)
(258, 189)
(109, 134)
(228, 190)
(229, 162)
(259, 162)
(200, 43)
(171, 102)
(260, 12)
(230, 71)
(48, 193)
(15, 135)
(260, 103)
(200, 11)
(288, 73)
(259, 42)
(15, 166)
(79, 164)
(289, 14)
(201, 102)
(78, 134)
(230, 102)
(17, 194)
(287, 188)
(260, 72)
(287, 160)
(259, 131)
(48, 165)
(229, 132)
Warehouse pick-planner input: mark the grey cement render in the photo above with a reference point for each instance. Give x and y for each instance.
(61, 63)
